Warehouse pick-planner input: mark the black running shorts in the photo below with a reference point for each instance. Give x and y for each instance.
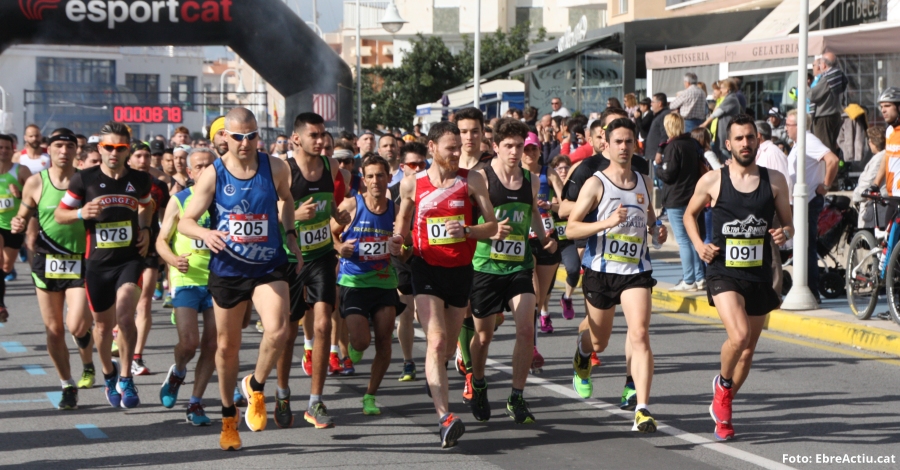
(404, 275)
(604, 290)
(492, 293)
(319, 278)
(229, 291)
(60, 278)
(452, 285)
(759, 297)
(368, 301)
(543, 257)
(103, 282)
(12, 240)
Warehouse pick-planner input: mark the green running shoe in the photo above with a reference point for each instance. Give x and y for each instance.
(369, 408)
(87, 378)
(354, 355)
(582, 365)
(517, 409)
(167, 302)
(629, 398)
(409, 372)
(584, 387)
(172, 317)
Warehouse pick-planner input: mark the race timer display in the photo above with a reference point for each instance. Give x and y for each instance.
(153, 114)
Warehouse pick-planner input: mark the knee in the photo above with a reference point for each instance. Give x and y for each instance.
(55, 332)
(322, 326)
(438, 343)
(190, 342)
(208, 344)
(525, 331)
(278, 336)
(360, 341)
(382, 344)
(639, 338)
(599, 344)
(741, 341)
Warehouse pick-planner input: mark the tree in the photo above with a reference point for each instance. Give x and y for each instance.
(497, 49)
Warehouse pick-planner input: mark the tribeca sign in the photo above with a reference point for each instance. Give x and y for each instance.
(113, 12)
(573, 36)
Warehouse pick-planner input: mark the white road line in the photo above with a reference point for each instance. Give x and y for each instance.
(628, 416)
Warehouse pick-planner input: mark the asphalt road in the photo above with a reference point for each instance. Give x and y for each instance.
(802, 399)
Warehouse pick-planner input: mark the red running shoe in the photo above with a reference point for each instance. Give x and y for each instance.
(467, 389)
(307, 362)
(595, 361)
(720, 409)
(334, 364)
(724, 432)
(537, 362)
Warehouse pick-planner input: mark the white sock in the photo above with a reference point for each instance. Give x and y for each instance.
(641, 406)
(545, 313)
(580, 350)
(66, 383)
(283, 392)
(307, 343)
(335, 349)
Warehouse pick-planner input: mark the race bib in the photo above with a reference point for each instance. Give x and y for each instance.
(437, 230)
(743, 252)
(62, 267)
(511, 249)
(622, 248)
(546, 221)
(561, 230)
(374, 249)
(199, 246)
(248, 228)
(113, 234)
(313, 237)
(7, 204)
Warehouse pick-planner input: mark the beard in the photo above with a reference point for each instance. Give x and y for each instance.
(751, 158)
(445, 164)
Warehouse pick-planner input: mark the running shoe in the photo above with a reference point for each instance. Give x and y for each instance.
(720, 409)
(112, 393)
(498, 320)
(537, 362)
(168, 392)
(138, 367)
(451, 430)
(684, 287)
(584, 387)
(259, 326)
(115, 347)
(568, 311)
(129, 392)
(172, 317)
(348, 368)
(595, 361)
(167, 301)
(317, 415)
(369, 408)
(87, 378)
(256, 416)
(701, 284)
(157, 294)
(306, 362)
(69, 400)
(334, 364)
(23, 255)
(354, 355)
(724, 432)
(467, 389)
(239, 399)
(196, 415)
(230, 439)
(481, 407)
(546, 324)
(643, 421)
(11, 276)
(409, 372)
(517, 409)
(581, 381)
(460, 362)
(284, 418)
(629, 398)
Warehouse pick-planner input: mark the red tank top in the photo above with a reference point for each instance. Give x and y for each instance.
(339, 188)
(434, 207)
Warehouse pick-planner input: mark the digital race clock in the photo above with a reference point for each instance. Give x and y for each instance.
(152, 114)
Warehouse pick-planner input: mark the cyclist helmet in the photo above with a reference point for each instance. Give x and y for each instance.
(890, 95)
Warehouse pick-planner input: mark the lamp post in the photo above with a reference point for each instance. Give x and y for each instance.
(477, 77)
(240, 88)
(800, 297)
(392, 23)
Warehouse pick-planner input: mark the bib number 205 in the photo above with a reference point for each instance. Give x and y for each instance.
(248, 228)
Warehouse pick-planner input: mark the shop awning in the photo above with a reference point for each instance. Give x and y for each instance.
(489, 76)
(781, 21)
(585, 45)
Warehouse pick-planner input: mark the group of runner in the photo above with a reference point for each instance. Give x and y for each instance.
(455, 244)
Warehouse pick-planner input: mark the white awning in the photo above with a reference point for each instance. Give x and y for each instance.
(781, 21)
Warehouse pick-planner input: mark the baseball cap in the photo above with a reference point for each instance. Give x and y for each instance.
(94, 139)
(157, 147)
(775, 112)
(532, 140)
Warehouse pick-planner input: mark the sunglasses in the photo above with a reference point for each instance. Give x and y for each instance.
(115, 147)
(416, 165)
(242, 137)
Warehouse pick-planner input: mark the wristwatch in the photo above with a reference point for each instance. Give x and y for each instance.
(467, 230)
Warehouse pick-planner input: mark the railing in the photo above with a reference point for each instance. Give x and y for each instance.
(370, 13)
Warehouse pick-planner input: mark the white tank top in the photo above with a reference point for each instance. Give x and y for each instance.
(36, 165)
(622, 249)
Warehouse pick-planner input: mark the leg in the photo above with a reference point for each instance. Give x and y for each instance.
(321, 345)
(206, 363)
(51, 305)
(104, 322)
(439, 324)
(9, 259)
(283, 368)
(143, 321)
(405, 330)
(544, 277)
(126, 302)
(79, 321)
(384, 325)
(600, 323)
(188, 336)
(271, 302)
(742, 370)
(522, 351)
(636, 305)
(732, 311)
(228, 346)
(481, 341)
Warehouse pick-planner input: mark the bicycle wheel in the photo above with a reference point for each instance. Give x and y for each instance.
(892, 283)
(862, 275)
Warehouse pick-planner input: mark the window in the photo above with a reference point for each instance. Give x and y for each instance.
(144, 86)
(183, 88)
(623, 6)
(90, 71)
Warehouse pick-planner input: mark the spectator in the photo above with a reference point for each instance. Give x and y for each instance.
(613, 102)
(728, 107)
(701, 135)
(643, 118)
(852, 137)
(573, 141)
(558, 108)
(776, 122)
(365, 144)
(417, 130)
(867, 177)
(631, 106)
(679, 170)
(771, 157)
(690, 103)
(656, 136)
(825, 94)
(738, 84)
(702, 86)
(530, 116)
(821, 169)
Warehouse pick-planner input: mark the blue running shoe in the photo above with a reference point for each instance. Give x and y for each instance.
(168, 393)
(112, 387)
(11, 276)
(239, 399)
(126, 388)
(157, 294)
(23, 255)
(196, 415)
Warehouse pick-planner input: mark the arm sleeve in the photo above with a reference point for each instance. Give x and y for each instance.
(74, 197)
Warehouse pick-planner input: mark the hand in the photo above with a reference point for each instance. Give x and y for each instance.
(91, 210)
(342, 218)
(873, 189)
(550, 245)
(637, 114)
(143, 241)
(821, 190)
(215, 240)
(395, 245)
(778, 236)
(306, 211)
(14, 190)
(455, 229)
(617, 217)
(345, 249)
(17, 224)
(181, 263)
(503, 229)
(658, 159)
(663, 234)
(545, 205)
(708, 252)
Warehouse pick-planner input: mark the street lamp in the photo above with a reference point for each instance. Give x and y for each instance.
(240, 88)
(477, 77)
(391, 22)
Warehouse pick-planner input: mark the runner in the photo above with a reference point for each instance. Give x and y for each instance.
(12, 178)
(618, 270)
(443, 240)
(113, 201)
(92, 158)
(140, 161)
(312, 184)
(58, 269)
(745, 198)
(504, 265)
(33, 156)
(413, 157)
(180, 179)
(248, 261)
(367, 279)
(189, 278)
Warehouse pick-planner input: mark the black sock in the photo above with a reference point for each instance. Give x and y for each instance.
(89, 367)
(629, 380)
(480, 383)
(229, 411)
(109, 376)
(725, 383)
(516, 393)
(256, 386)
(84, 341)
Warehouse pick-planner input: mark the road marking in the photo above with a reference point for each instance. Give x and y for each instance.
(13, 347)
(629, 417)
(10, 402)
(34, 369)
(91, 432)
(54, 398)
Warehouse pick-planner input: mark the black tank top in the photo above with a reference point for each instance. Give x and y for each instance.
(741, 223)
(302, 188)
(498, 193)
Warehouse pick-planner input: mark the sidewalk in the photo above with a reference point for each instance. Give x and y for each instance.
(831, 323)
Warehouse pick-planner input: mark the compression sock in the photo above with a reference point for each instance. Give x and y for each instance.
(229, 411)
(84, 341)
(256, 386)
(725, 383)
(465, 341)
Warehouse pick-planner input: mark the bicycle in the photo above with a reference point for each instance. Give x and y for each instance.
(867, 271)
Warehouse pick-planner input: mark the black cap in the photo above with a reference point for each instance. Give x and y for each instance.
(157, 147)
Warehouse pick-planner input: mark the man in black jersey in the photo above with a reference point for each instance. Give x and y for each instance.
(745, 198)
(114, 203)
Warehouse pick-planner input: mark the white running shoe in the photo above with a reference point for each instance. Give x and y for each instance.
(682, 287)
